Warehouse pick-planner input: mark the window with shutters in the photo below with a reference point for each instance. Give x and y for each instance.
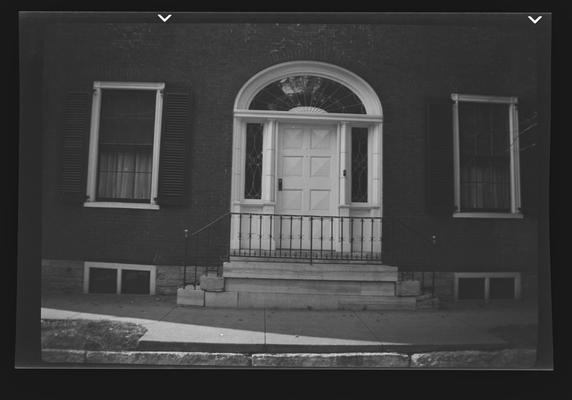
(124, 145)
(486, 156)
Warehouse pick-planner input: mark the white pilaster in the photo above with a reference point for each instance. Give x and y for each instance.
(456, 155)
(268, 154)
(376, 169)
(515, 158)
(236, 187)
(344, 162)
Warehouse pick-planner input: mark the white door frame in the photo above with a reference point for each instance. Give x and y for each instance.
(373, 120)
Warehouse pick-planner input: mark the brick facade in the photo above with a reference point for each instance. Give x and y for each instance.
(405, 64)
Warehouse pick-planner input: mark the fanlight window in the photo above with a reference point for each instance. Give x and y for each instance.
(307, 93)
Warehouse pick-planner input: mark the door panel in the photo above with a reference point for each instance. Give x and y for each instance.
(306, 164)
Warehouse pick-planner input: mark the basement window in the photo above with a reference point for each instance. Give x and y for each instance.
(102, 280)
(135, 282)
(471, 289)
(487, 286)
(101, 277)
(501, 288)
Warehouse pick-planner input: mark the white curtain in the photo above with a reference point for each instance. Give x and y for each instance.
(485, 186)
(124, 175)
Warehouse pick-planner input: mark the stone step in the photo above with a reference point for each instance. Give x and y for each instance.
(310, 286)
(304, 260)
(307, 301)
(307, 271)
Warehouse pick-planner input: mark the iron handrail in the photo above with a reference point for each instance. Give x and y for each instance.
(210, 223)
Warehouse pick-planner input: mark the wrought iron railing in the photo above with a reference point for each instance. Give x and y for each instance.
(308, 237)
(207, 247)
(405, 242)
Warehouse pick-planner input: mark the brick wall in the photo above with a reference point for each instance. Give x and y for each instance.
(405, 64)
(62, 276)
(66, 276)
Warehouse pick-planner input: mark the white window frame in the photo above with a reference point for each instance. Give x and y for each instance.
(487, 276)
(119, 268)
(91, 200)
(515, 201)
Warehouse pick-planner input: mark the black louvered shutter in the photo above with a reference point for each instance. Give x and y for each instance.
(439, 184)
(75, 134)
(173, 165)
(528, 145)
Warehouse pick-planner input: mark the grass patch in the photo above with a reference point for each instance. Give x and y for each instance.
(517, 336)
(81, 334)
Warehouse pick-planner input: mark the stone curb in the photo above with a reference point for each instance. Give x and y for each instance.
(498, 359)
(508, 358)
(147, 358)
(331, 360)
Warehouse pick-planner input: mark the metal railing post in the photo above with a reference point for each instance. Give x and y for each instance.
(185, 259)
(195, 279)
(311, 237)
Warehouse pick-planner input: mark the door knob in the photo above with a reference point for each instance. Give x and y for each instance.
(280, 184)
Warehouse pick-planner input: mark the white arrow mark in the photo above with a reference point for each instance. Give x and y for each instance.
(164, 19)
(534, 21)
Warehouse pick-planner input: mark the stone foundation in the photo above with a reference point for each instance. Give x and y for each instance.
(62, 276)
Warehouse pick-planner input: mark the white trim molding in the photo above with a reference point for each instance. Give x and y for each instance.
(91, 196)
(119, 267)
(372, 120)
(475, 98)
(287, 116)
(271, 120)
(487, 215)
(118, 204)
(515, 200)
(347, 78)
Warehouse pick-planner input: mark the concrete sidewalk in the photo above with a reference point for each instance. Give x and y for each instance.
(188, 329)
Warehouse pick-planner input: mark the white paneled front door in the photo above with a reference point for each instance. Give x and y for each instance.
(306, 174)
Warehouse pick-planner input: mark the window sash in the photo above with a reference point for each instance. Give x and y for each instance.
(100, 142)
(505, 162)
(253, 161)
(359, 165)
(127, 171)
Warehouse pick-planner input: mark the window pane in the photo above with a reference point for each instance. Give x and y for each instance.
(124, 174)
(501, 288)
(307, 93)
(127, 117)
(253, 167)
(135, 282)
(471, 288)
(484, 156)
(359, 165)
(102, 280)
(126, 145)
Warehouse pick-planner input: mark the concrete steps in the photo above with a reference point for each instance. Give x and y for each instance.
(310, 286)
(277, 284)
(351, 285)
(307, 271)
